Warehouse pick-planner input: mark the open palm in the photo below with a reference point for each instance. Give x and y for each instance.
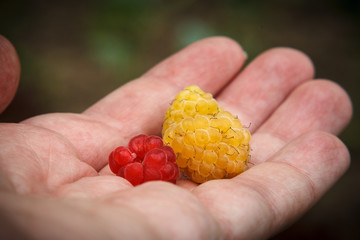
(55, 182)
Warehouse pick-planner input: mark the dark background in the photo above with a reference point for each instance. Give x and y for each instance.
(74, 52)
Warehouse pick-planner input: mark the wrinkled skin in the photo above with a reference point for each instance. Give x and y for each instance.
(55, 182)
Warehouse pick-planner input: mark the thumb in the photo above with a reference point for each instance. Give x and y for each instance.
(9, 72)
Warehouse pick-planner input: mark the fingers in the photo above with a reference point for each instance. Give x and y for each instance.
(141, 104)
(264, 84)
(275, 193)
(317, 105)
(209, 63)
(9, 72)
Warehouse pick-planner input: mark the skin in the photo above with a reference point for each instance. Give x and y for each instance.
(55, 182)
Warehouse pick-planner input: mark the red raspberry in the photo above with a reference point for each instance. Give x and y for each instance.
(145, 159)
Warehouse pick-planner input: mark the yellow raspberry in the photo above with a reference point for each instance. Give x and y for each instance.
(209, 143)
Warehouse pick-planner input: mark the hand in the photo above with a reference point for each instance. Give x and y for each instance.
(55, 182)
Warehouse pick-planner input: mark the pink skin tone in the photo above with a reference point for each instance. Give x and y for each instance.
(55, 181)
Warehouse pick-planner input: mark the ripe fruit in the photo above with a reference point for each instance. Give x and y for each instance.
(209, 143)
(145, 159)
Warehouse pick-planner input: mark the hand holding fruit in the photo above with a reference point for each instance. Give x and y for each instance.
(56, 181)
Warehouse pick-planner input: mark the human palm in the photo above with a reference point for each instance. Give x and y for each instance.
(55, 182)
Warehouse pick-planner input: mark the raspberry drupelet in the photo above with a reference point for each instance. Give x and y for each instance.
(209, 143)
(145, 159)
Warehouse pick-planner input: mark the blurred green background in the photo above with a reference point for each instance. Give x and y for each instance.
(75, 52)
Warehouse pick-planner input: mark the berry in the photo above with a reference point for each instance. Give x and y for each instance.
(145, 159)
(209, 142)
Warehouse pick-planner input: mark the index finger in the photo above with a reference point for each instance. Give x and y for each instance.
(209, 63)
(140, 105)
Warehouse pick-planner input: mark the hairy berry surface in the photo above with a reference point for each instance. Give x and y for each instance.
(209, 142)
